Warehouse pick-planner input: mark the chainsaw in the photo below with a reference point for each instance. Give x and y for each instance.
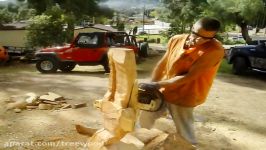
(149, 99)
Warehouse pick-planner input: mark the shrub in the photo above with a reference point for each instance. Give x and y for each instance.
(151, 40)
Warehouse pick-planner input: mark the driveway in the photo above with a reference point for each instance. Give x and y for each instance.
(233, 117)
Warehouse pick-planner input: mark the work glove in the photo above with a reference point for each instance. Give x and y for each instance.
(149, 92)
(152, 86)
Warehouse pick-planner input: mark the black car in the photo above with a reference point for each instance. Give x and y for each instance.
(256, 42)
(248, 57)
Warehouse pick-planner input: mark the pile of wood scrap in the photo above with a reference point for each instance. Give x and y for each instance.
(47, 101)
(162, 136)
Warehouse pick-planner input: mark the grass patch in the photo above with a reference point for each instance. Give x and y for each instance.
(152, 37)
(225, 67)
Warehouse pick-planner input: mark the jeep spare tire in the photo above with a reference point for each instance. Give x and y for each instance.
(47, 65)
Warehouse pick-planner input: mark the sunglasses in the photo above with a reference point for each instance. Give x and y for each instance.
(204, 37)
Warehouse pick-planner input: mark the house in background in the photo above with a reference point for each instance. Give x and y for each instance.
(93, 28)
(155, 28)
(14, 35)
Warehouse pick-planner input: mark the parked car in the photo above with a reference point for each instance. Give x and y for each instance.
(3, 54)
(248, 57)
(142, 33)
(86, 49)
(256, 42)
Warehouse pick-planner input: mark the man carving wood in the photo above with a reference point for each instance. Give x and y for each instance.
(185, 74)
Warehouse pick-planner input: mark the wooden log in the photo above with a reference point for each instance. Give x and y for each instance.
(165, 125)
(146, 135)
(128, 142)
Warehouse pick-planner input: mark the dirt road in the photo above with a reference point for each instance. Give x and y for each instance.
(233, 118)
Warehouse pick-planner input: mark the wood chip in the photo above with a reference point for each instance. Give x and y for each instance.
(45, 106)
(165, 125)
(21, 104)
(17, 110)
(50, 102)
(9, 101)
(31, 98)
(128, 142)
(85, 130)
(51, 97)
(146, 135)
(31, 107)
(66, 106)
(178, 142)
(75, 106)
(62, 101)
(157, 142)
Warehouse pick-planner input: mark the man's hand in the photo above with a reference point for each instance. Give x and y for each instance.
(149, 86)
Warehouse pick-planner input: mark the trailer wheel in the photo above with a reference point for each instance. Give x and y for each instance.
(47, 65)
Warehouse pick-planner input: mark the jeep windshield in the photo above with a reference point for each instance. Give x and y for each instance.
(118, 39)
(90, 39)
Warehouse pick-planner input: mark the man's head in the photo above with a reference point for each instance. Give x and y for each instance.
(206, 27)
(203, 31)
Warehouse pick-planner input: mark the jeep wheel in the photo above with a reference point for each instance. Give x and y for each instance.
(67, 67)
(105, 63)
(239, 65)
(106, 68)
(47, 65)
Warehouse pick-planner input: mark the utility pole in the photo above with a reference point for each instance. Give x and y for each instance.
(264, 15)
(143, 19)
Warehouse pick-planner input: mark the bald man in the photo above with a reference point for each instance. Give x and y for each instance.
(185, 74)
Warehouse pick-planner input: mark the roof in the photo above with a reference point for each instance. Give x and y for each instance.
(99, 26)
(23, 25)
(14, 26)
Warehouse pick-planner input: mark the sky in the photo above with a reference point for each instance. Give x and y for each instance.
(116, 4)
(7, 0)
(131, 3)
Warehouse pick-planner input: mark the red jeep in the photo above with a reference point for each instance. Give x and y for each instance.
(86, 49)
(3, 55)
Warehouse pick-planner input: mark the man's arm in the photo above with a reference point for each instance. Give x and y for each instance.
(206, 62)
(160, 66)
(157, 72)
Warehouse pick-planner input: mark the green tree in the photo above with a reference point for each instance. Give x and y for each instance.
(239, 12)
(231, 12)
(5, 16)
(47, 29)
(78, 8)
(25, 14)
(11, 7)
(40, 6)
(261, 18)
(120, 26)
(75, 11)
(182, 13)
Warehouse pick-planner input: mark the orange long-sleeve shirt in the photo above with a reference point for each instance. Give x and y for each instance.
(198, 65)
